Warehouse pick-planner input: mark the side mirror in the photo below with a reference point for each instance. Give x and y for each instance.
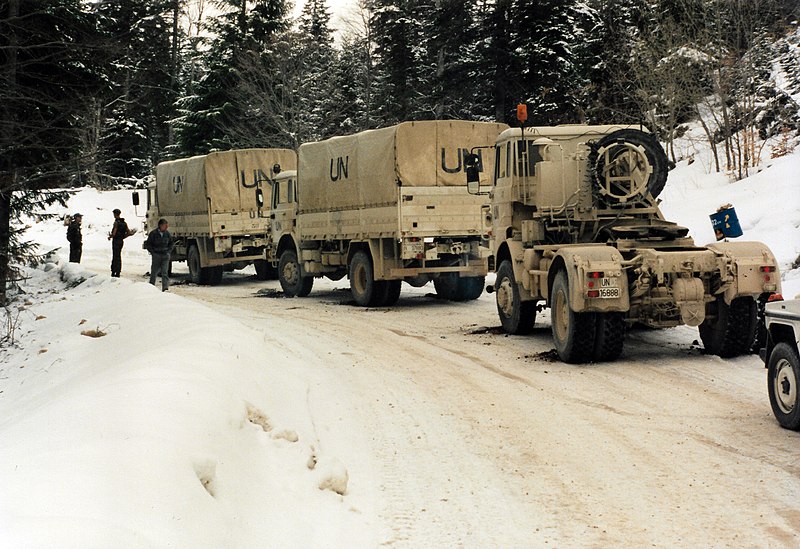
(260, 198)
(135, 198)
(472, 169)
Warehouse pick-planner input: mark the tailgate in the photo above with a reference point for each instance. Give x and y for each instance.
(441, 211)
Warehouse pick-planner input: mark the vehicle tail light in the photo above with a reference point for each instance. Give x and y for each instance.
(775, 297)
(595, 274)
(594, 293)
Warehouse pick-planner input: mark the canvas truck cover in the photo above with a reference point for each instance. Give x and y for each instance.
(224, 180)
(363, 170)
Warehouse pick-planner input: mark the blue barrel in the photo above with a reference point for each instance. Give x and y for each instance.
(726, 224)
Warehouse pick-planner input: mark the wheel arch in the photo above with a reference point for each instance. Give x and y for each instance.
(355, 247)
(286, 243)
(577, 261)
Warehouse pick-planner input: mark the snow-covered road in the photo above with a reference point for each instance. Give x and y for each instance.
(469, 437)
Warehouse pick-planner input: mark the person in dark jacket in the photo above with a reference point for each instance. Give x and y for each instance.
(75, 239)
(160, 243)
(119, 232)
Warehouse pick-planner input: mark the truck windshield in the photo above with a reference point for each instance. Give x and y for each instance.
(283, 192)
(527, 156)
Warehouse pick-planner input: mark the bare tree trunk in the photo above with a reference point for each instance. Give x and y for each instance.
(710, 138)
(173, 73)
(7, 163)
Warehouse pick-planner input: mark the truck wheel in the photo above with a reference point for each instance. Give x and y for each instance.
(290, 276)
(783, 376)
(193, 261)
(205, 276)
(392, 292)
(516, 316)
(573, 333)
(470, 287)
(366, 291)
(265, 270)
(609, 336)
(732, 329)
(446, 285)
(211, 276)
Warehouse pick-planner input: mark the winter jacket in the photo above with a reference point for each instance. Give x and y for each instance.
(120, 229)
(74, 236)
(159, 243)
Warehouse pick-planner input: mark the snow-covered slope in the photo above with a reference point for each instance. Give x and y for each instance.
(178, 427)
(767, 205)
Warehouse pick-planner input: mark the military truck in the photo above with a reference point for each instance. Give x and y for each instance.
(385, 206)
(214, 205)
(576, 227)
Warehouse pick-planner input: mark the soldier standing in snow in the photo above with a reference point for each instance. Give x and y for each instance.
(75, 239)
(119, 232)
(159, 243)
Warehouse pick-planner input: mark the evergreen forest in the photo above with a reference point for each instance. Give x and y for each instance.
(97, 92)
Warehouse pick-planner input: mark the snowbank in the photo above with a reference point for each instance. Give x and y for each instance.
(131, 417)
(767, 205)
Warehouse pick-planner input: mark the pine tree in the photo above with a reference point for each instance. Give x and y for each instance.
(611, 95)
(47, 66)
(549, 42)
(397, 32)
(450, 54)
(317, 82)
(209, 114)
(132, 115)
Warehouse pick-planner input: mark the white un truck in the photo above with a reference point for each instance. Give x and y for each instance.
(215, 208)
(385, 206)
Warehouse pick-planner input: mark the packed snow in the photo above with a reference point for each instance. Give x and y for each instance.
(131, 417)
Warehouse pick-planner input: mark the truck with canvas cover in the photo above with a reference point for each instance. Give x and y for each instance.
(385, 206)
(215, 208)
(576, 227)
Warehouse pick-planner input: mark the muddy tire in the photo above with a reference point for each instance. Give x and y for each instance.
(205, 276)
(609, 337)
(265, 270)
(193, 262)
(293, 283)
(516, 316)
(446, 285)
(367, 292)
(783, 377)
(453, 287)
(470, 288)
(392, 292)
(212, 276)
(732, 330)
(574, 333)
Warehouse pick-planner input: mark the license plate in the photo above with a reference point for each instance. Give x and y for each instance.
(609, 293)
(608, 288)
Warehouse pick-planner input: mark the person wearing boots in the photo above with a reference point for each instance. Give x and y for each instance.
(119, 231)
(75, 239)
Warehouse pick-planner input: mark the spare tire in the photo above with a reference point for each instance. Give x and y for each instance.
(621, 140)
